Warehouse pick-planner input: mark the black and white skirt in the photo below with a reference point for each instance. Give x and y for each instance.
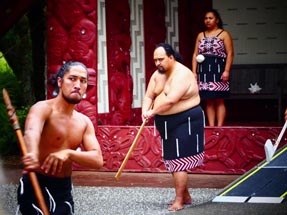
(182, 137)
(209, 78)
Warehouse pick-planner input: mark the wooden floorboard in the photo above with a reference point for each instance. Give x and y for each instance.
(128, 179)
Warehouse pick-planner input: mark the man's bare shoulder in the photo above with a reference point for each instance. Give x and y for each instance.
(82, 117)
(83, 120)
(43, 104)
(155, 74)
(182, 74)
(158, 76)
(42, 107)
(183, 68)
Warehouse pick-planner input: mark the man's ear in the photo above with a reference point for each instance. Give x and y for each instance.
(171, 57)
(59, 81)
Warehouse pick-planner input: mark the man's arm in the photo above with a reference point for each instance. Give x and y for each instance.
(34, 124)
(92, 154)
(149, 96)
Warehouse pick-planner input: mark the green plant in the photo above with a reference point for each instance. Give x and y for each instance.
(22, 114)
(8, 140)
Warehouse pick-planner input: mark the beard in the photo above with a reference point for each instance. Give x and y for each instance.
(161, 70)
(71, 100)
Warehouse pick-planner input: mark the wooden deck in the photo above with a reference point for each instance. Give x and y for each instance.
(12, 175)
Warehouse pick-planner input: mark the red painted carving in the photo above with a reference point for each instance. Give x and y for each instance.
(235, 150)
(118, 53)
(154, 31)
(72, 35)
(229, 150)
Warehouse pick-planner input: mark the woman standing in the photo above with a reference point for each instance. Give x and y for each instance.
(211, 62)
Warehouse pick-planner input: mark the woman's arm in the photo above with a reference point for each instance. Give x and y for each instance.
(195, 53)
(230, 54)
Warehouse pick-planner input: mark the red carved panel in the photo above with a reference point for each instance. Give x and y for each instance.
(229, 150)
(72, 35)
(235, 150)
(154, 31)
(118, 54)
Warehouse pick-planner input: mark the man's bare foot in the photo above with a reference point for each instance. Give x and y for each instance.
(187, 201)
(176, 207)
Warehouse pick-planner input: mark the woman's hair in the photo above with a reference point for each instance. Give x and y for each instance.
(217, 15)
(169, 51)
(62, 71)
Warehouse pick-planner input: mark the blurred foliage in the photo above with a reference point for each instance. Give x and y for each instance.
(17, 50)
(9, 81)
(8, 140)
(22, 69)
(15, 76)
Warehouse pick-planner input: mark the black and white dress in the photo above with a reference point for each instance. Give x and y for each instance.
(210, 70)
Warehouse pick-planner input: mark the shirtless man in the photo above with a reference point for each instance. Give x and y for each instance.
(53, 132)
(172, 93)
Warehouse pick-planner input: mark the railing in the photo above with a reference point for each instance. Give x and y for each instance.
(229, 150)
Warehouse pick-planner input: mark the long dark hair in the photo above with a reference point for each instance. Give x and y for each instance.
(217, 15)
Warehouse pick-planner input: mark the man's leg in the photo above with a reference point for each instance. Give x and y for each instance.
(180, 183)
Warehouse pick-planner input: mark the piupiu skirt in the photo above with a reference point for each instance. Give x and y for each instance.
(182, 136)
(57, 193)
(209, 74)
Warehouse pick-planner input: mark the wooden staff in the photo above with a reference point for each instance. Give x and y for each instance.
(118, 175)
(15, 123)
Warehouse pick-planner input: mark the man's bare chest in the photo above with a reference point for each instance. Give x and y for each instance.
(63, 133)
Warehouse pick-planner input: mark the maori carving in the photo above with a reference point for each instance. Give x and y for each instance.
(155, 31)
(118, 43)
(229, 150)
(116, 142)
(71, 35)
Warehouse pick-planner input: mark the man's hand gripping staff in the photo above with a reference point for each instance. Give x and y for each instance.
(15, 123)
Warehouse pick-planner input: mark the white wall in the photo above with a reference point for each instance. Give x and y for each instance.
(258, 29)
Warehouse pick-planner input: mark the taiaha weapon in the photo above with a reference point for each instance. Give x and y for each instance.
(15, 123)
(118, 175)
